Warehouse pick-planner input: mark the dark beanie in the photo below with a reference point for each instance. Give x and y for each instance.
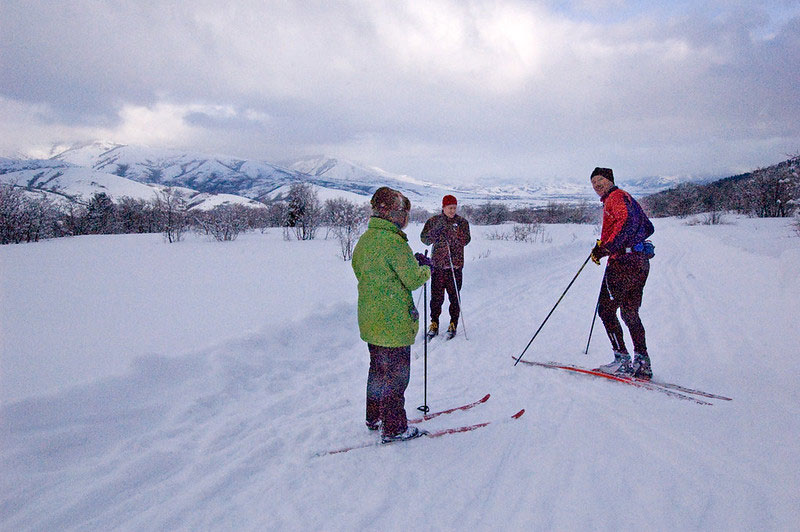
(449, 200)
(386, 201)
(605, 172)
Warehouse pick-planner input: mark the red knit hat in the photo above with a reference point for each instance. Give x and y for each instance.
(449, 200)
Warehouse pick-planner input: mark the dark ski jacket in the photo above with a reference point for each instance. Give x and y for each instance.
(440, 231)
(624, 223)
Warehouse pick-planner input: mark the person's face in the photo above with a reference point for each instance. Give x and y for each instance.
(601, 185)
(450, 210)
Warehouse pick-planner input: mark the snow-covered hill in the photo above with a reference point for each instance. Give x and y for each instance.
(188, 386)
(346, 175)
(199, 172)
(65, 182)
(108, 166)
(260, 179)
(252, 179)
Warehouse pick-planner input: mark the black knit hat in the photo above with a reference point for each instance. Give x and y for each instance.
(605, 172)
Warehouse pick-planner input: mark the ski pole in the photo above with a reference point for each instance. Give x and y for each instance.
(419, 298)
(596, 309)
(458, 292)
(424, 407)
(553, 309)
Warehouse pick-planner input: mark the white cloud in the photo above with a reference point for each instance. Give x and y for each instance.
(470, 87)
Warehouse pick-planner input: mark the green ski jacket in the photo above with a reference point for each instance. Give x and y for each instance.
(387, 273)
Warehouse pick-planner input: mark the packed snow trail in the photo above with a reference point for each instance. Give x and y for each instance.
(223, 436)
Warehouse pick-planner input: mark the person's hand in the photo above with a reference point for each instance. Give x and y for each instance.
(598, 252)
(436, 235)
(423, 260)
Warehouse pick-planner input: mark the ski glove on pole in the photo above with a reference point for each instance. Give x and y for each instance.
(598, 252)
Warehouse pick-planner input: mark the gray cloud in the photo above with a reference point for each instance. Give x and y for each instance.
(514, 89)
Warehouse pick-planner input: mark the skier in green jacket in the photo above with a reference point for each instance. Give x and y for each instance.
(387, 273)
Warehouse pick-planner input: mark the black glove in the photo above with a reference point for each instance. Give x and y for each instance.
(598, 252)
(423, 260)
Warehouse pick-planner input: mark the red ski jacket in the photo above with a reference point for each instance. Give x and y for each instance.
(624, 223)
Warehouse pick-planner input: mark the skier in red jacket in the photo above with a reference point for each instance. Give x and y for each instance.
(622, 239)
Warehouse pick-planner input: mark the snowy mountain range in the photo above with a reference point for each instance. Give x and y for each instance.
(137, 171)
(65, 182)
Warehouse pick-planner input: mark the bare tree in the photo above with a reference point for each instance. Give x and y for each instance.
(304, 213)
(771, 191)
(489, 213)
(347, 221)
(11, 206)
(172, 210)
(25, 217)
(40, 219)
(101, 214)
(136, 216)
(277, 214)
(225, 222)
(419, 215)
(73, 220)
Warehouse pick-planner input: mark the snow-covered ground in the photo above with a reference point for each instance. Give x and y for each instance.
(148, 386)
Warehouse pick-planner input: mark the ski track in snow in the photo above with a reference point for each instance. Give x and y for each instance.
(224, 437)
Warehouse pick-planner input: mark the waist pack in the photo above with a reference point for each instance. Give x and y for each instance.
(646, 248)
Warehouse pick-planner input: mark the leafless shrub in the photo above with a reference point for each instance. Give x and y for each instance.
(304, 213)
(347, 221)
(521, 233)
(225, 222)
(172, 210)
(418, 215)
(27, 218)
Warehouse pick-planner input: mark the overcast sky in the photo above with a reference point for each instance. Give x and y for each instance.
(455, 91)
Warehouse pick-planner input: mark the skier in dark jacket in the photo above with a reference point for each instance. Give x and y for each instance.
(387, 273)
(449, 233)
(622, 239)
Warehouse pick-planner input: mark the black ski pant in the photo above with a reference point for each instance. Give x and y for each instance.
(389, 373)
(623, 286)
(441, 281)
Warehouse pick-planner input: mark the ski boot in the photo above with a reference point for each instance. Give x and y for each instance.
(409, 434)
(451, 330)
(433, 330)
(641, 366)
(620, 365)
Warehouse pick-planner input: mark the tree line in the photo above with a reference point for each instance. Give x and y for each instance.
(29, 216)
(771, 192)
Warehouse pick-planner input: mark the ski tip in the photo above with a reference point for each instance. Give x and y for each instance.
(518, 414)
(485, 398)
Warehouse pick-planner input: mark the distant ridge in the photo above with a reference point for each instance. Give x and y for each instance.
(262, 180)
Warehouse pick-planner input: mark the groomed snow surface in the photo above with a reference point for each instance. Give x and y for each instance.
(149, 386)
